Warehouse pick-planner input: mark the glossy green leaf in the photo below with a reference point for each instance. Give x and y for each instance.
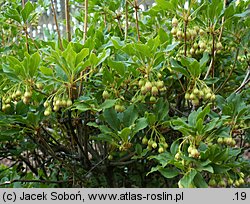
(119, 67)
(174, 147)
(199, 181)
(110, 116)
(169, 172)
(27, 10)
(108, 104)
(129, 116)
(125, 133)
(178, 68)
(140, 125)
(34, 64)
(13, 14)
(81, 56)
(188, 178)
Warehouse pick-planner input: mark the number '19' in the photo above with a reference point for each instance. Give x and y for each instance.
(241, 196)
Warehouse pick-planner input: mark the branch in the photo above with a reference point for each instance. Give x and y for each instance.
(77, 139)
(85, 21)
(245, 81)
(95, 166)
(85, 29)
(126, 20)
(219, 39)
(25, 29)
(122, 163)
(33, 181)
(185, 36)
(57, 28)
(67, 15)
(137, 19)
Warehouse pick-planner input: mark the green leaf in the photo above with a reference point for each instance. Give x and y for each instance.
(46, 71)
(220, 169)
(21, 108)
(163, 35)
(107, 76)
(214, 10)
(107, 104)
(169, 172)
(182, 126)
(138, 149)
(199, 181)
(27, 10)
(93, 124)
(199, 126)
(13, 14)
(118, 44)
(81, 56)
(188, 178)
(102, 56)
(205, 168)
(111, 118)
(194, 69)
(129, 116)
(192, 118)
(143, 50)
(223, 155)
(34, 64)
(14, 61)
(15, 67)
(83, 107)
(171, 47)
(69, 58)
(161, 109)
(103, 138)
(174, 147)
(202, 114)
(81, 66)
(125, 133)
(151, 118)
(204, 59)
(242, 15)
(178, 68)
(119, 67)
(163, 158)
(140, 125)
(165, 5)
(154, 169)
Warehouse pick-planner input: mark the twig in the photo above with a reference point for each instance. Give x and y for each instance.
(126, 20)
(2, 170)
(85, 20)
(57, 28)
(122, 163)
(84, 39)
(119, 25)
(67, 15)
(219, 39)
(95, 166)
(213, 57)
(26, 37)
(231, 72)
(137, 19)
(185, 34)
(25, 29)
(34, 42)
(33, 181)
(245, 81)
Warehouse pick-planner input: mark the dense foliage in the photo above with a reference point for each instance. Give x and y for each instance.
(156, 98)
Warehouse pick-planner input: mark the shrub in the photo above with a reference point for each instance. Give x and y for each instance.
(160, 100)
